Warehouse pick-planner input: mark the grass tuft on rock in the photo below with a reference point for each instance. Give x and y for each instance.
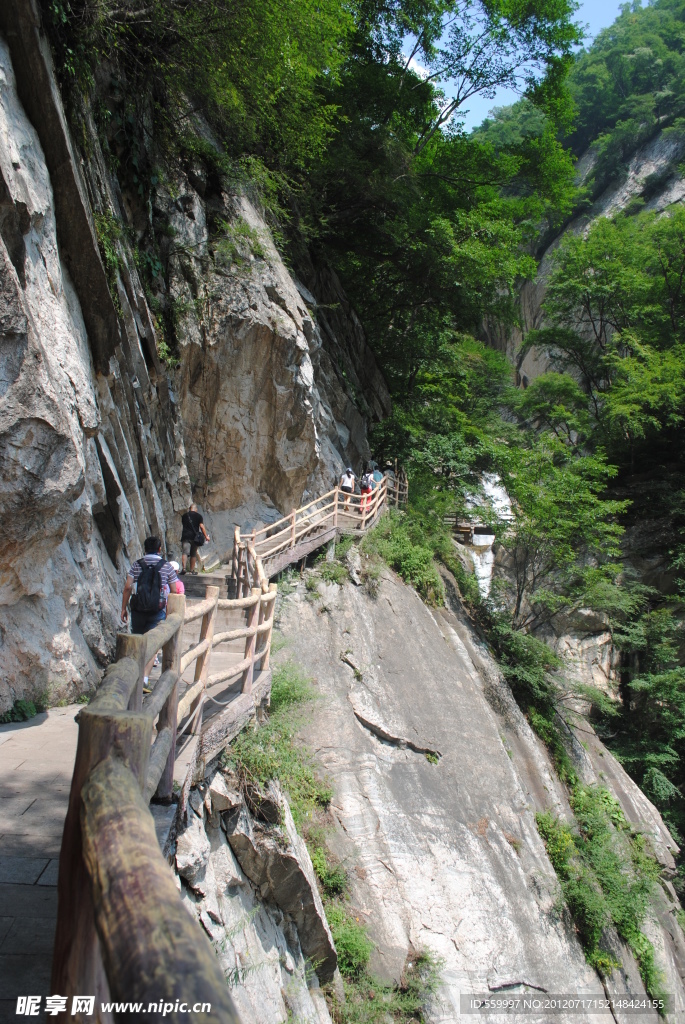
(370, 1001)
(21, 711)
(353, 945)
(394, 540)
(270, 752)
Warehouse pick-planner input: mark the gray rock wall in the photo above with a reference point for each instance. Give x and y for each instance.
(257, 900)
(101, 444)
(446, 855)
(269, 418)
(91, 457)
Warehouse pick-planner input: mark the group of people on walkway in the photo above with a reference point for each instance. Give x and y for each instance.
(371, 478)
(152, 578)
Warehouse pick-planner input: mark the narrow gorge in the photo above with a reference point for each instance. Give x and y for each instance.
(243, 250)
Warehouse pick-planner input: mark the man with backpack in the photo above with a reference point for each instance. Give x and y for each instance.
(193, 536)
(154, 579)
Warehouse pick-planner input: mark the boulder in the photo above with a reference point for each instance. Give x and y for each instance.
(265, 804)
(353, 560)
(223, 798)
(277, 863)
(192, 852)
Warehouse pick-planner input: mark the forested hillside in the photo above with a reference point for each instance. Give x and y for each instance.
(362, 165)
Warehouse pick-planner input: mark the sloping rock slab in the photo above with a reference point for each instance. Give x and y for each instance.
(278, 864)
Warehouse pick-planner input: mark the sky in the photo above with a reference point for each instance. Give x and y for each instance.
(595, 14)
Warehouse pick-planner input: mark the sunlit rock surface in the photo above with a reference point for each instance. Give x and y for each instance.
(442, 851)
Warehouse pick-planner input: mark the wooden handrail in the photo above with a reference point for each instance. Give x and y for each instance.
(143, 949)
(269, 544)
(191, 655)
(117, 771)
(153, 950)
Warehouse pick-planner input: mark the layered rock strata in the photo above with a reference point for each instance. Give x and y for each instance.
(92, 455)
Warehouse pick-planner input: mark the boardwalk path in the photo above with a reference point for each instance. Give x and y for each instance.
(36, 765)
(37, 760)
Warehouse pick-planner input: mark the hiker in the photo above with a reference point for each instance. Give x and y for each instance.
(377, 475)
(366, 488)
(193, 536)
(347, 482)
(154, 579)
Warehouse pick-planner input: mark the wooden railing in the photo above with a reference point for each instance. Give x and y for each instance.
(269, 550)
(122, 929)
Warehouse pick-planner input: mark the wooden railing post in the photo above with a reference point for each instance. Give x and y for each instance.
(133, 645)
(77, 966)
(293, 514)
(155, 951)
(251, 641)
(203, 661)
(267, 657)
(335, 508)
(168, 716)
(234, 558)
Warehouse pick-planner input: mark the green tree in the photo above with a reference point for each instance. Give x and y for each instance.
(563, 527)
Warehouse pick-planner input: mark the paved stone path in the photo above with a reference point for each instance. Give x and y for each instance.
(36, 764)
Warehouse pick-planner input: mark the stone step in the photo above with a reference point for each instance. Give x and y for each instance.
(196, 586)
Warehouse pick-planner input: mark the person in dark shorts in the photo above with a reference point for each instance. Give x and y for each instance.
(193, 535)
(347, 482)
(146, 618)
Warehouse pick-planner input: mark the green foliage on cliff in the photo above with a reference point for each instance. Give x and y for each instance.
(607, 872)
(629, 86)
(369, 1000)
(615, 314)
(269, 752)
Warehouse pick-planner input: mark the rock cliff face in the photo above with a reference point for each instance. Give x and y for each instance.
(102, 444)
(437, 777)
(265, 385)
(92, 458)
(652, 176)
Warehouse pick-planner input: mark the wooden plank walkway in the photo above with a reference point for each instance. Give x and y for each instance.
(37, 757)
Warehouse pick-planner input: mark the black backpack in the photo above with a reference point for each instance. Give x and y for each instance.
(367, 480)
(148, 595)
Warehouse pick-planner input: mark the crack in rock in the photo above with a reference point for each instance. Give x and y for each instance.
(397, 741)
(505, 983)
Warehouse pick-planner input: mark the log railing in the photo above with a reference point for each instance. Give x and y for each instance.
(266, 551)
(122, 930)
